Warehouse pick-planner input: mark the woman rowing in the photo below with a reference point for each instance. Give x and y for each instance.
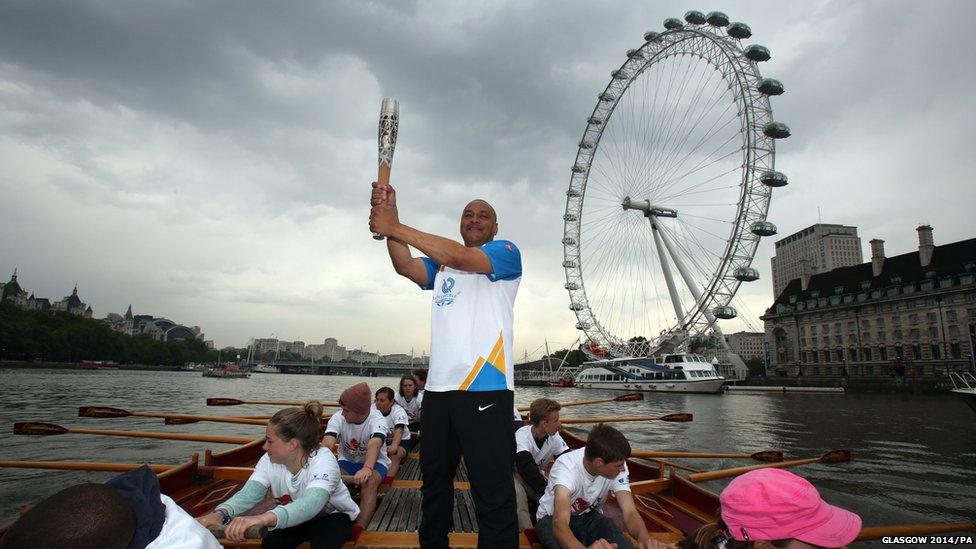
(313, 503)
(410, 400)
(770, 508)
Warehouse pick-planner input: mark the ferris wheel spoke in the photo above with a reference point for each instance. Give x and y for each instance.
(669, 126)
(703, 164)
(680, 192)
(685, 130)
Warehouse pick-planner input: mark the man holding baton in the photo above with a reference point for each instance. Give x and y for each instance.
(470, 389)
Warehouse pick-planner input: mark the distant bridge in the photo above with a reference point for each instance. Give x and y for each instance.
(345, 368)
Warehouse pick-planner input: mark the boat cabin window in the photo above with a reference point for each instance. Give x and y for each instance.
(672, 358)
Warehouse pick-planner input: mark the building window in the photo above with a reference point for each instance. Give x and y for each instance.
(933, 332)
(914, 333)
(951, 316)
(956, 350)
(852, 354)
(899, 352)
(866, 354)
(913, 318)
(916, 351)
(883, 353)
(953, 331)
(936, 351)
(930, 317)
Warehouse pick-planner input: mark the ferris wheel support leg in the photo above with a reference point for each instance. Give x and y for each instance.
(695, 291)
(672, 289)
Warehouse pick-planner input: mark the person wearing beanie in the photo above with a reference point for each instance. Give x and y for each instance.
(771, 507)
(359, 431)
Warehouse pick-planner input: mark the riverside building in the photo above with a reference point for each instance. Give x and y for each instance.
(911, 315)
(825, 246)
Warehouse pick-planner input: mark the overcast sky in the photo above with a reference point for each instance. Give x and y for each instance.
(210, 162)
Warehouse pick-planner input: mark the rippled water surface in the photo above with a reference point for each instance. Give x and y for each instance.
(914, 455)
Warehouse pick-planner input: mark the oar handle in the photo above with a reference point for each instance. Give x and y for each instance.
(84, 466)
(254, 532)
(875, 532)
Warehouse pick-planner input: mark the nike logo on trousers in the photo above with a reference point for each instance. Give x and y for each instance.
(483, 408)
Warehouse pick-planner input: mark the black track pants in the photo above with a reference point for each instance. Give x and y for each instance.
(478, 427)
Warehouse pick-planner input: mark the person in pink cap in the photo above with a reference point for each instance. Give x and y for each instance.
(775, 508)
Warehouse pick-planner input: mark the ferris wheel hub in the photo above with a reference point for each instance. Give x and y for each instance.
(648, 208)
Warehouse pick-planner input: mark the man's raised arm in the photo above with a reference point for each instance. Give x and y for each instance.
(403, 262)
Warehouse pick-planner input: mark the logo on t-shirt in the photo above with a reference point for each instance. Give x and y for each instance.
(580, 505)
(446, 295)
(353, 446)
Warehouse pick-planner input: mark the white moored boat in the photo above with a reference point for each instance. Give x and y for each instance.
(673, 373)
(266, 369)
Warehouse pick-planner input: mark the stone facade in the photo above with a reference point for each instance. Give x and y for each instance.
(909, 315)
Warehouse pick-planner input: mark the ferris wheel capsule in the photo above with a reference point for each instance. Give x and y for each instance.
(740, 31)
(773, 178)
(672, 23)
(769, 86)
(717, 19)
(695, 17)
(776, 130)
(725, 312)
(652, 36)
(757, 53)
(746, 274)
(763, 228)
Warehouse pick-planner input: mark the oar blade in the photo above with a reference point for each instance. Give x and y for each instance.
(102, 412)
(678, 418)
(630, 397)
(836, 456)
(38, 428)
(179, 421)
(217, 401)
(768, 456)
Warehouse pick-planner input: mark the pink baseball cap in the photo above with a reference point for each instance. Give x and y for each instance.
(773, 504)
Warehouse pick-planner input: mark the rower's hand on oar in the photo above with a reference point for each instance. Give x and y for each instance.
(602, 544)
(210, 519)
(238, 527)
(652, 543)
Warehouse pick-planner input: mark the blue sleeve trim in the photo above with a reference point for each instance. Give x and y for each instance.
(432, 268)
(505, 259)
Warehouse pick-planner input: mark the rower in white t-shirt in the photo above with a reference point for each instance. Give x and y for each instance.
(398, 441)
(535, 446)
(571, 509)
(410, 399)
(359, 434)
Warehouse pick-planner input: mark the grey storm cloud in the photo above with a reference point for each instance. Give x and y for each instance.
(210, 161)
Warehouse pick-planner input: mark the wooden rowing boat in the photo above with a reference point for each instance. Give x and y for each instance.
(672, 505)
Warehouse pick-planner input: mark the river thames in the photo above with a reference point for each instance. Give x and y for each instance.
(913, 455)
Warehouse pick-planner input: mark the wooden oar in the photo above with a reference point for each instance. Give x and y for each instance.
(224, 472)
(254, 532)
(45, 429)
(661, 484)
(85, 466)
(673, 418)
(766, 456)
(622, 398)
(171, 419)
(219, 401)
(875, 532)
(834, 456)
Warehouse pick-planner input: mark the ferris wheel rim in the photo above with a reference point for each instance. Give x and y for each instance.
(753, 203)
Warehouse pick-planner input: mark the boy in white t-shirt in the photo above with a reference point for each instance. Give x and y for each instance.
(571, 510)
(398, 441)
(535, 446)
(359, 432)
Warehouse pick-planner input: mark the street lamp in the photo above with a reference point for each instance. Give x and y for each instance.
(945, 350)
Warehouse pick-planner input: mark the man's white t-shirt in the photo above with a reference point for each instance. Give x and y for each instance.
(586, 492)
(322, 472)
(552, 447)
(412, 408)
(354, 438)
(181, 531)
(471, 322)
(397, 416)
